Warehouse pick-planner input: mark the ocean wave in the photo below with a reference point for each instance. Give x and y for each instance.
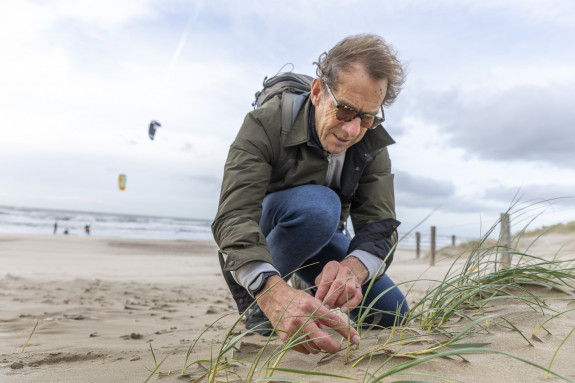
(14, 220)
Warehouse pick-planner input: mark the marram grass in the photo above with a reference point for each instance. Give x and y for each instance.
(29, 337)
(440, 326)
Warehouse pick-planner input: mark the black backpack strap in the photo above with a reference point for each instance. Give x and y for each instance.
(291, 104)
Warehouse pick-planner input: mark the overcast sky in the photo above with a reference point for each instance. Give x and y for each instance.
(486, 116)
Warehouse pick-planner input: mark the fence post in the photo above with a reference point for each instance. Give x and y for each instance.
(432, 260)
(505, 240)
(453, 240)
(417, 244)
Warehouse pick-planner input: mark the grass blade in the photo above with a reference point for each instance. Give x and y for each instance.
(28, 340)
(557, 351)
(316, 373)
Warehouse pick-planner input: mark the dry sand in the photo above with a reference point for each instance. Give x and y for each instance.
(100, 303)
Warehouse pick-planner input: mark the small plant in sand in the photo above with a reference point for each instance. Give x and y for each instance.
(454, 308)
(442, 324)
(483, 279)
(29, 337)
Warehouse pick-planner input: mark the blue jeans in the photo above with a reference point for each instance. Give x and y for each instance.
(301, 228)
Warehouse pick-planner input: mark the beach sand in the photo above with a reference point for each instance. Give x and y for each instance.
(101, 303)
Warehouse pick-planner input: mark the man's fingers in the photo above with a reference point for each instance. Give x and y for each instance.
(302, 345)
(350, 295)
(352, 303)
(324, 284)
(301, 348)
(343, 293)
(296, 312)
(322, 290)
(339, 325)
(356, 300)
(310, 345)
(318, 339)
(282, 335)
(325, 279)
(305, 342)
(333, 294)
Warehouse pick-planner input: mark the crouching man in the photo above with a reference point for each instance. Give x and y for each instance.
(269, 226)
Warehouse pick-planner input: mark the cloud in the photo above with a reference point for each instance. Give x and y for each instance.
(410, 184)
(559, 12)
(423, 192)
(524, 123)
(81, 80)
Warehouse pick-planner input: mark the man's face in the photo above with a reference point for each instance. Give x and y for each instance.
(356, 90)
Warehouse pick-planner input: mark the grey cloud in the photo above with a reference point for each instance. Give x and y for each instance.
(407, 183)
(526, 123)
(424, 192)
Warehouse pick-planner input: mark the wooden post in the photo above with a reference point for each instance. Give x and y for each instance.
(453, 240)
(417, 244)
(432, 260)
(505, 240)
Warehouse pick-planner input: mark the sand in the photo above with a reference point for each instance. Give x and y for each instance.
(100, 304)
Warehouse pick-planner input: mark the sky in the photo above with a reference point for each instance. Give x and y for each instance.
(485, 122)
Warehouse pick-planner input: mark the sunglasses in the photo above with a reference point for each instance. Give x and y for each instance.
(347, 113)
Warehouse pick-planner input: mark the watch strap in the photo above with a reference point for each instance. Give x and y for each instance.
(259, 282)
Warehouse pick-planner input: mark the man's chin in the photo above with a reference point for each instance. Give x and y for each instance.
(337, 149)
(335, 146)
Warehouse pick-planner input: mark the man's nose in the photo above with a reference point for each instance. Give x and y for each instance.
(353, 127)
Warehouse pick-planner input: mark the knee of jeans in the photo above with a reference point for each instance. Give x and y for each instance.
(321, 204)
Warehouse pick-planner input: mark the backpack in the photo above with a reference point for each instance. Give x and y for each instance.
(294, 88)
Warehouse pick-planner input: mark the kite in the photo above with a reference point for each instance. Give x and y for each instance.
(152, 129)
(122, 181)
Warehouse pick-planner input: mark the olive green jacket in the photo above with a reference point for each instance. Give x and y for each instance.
(366, 186)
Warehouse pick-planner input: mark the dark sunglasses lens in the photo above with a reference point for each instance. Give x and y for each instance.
(344, 114)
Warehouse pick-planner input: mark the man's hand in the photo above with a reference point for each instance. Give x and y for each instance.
(339, 284)
(289, 310)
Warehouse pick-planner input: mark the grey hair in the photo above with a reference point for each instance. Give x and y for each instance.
(377, 57)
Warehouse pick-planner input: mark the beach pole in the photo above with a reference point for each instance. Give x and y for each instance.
(453, 240)
(505, 240)
(432, 259)
(417, 244)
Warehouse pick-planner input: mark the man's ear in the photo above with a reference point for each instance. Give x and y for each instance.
(316, 89)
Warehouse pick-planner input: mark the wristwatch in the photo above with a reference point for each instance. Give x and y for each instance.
(259, 282)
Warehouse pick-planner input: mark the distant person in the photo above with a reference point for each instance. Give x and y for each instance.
(55, 227)
(87, 229)
(269, 225)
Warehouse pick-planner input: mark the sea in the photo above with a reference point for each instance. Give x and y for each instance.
(24, 220)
